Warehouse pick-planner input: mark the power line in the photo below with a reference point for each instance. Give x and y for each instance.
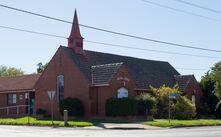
(151, 50)
(33, 32)
(192, 69)
(182, 11)
(199, 6)
(114, 45)
(114, 32)
(108, 44)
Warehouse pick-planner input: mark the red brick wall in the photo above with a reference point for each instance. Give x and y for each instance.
(13, 110)
(75, 84)
(194, 86)
(107, 92)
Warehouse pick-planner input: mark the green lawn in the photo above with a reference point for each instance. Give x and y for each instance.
(177, 123)
(35, 122)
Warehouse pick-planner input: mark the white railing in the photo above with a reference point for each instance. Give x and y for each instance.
(17, 109)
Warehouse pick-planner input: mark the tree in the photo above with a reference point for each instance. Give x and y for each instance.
(211, 87)
(216, 77)
(41, 67)
(209, 98)
(10, 71)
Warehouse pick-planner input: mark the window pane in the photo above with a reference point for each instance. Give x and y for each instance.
(12, 99)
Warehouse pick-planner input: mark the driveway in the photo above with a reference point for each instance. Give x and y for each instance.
(24, 131)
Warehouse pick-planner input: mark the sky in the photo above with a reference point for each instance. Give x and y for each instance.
(134, 17)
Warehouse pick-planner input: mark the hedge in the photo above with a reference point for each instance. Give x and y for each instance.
(73, 105)
(121, 107)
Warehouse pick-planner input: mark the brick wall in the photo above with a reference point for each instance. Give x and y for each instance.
(193, 88)
(107, 92)
(75, 84)
(12, 111)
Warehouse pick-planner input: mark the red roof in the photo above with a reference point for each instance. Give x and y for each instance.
(18, 83)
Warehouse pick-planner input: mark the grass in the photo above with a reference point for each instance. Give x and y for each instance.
(183, 123)
(35, 122)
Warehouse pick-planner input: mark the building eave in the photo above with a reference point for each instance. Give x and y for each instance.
(17, 91)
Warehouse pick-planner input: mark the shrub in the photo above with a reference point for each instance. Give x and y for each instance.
(73, 105)
(121, 107)
(181, 108)
(146, 104)
(41, 111)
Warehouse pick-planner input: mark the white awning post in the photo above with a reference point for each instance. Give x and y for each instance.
(17, 110)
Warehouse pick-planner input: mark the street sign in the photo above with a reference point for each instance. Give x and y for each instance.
(174, 95)
(51, 94)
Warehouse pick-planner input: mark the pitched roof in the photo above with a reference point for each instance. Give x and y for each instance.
(183, 81)
(102, 74)
(18, 83)
(144, 72)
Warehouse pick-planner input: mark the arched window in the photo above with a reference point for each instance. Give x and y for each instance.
(122, 93)
(60, 87)
(194, 99)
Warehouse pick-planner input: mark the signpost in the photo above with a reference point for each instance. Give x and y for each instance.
(172, 96)
(51, 95)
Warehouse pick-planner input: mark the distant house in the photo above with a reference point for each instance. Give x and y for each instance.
(93, 77)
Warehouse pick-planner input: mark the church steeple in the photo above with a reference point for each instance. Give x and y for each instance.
(75, 40)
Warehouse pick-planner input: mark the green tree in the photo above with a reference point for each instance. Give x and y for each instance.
(41, 67)
(10, 71)
(209, 98)
(211, 87)
(216, 77)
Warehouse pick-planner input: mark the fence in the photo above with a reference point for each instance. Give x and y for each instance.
(15, 110)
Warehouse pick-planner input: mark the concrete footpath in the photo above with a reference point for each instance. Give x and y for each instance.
(127, 126)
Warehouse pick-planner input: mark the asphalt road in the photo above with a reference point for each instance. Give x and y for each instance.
(22, 131)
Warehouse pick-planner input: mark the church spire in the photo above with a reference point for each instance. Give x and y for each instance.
(75, 40)
(75, 31)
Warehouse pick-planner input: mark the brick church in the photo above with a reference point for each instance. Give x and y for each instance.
(92, 77)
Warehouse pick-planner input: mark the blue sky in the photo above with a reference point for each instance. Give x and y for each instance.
(24, 50)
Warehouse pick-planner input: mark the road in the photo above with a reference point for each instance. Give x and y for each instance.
(22, 131)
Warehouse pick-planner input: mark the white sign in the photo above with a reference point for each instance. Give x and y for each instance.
(174, 95)
(122, 93)
(51, 94)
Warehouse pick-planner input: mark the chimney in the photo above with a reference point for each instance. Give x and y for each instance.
(75, 40)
